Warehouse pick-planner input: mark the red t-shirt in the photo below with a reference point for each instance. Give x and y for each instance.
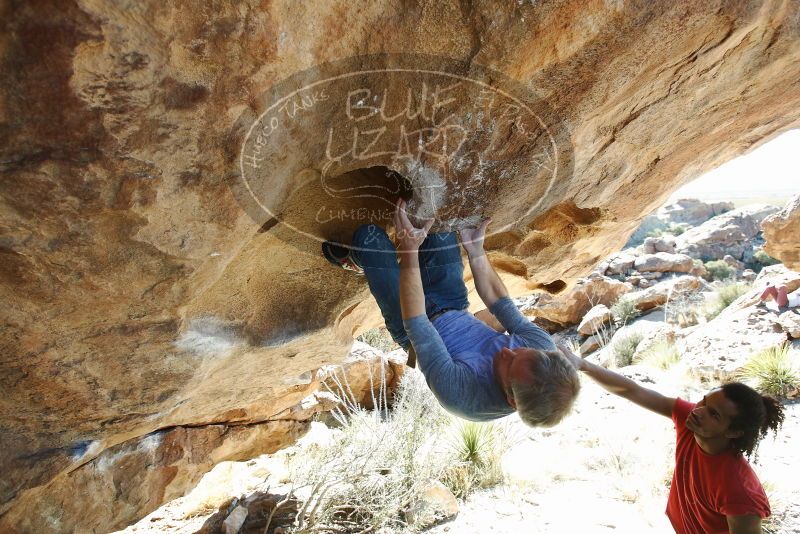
(706, 488)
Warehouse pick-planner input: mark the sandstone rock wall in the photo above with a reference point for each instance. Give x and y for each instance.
(781, 230)
(140, 295)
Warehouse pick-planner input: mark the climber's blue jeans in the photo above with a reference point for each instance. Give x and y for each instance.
(441, 270)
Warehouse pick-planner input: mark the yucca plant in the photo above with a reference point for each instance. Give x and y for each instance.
(478, 449)
(773, 371)
(475, 441)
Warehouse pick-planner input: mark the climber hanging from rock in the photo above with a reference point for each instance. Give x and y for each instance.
(474, 371)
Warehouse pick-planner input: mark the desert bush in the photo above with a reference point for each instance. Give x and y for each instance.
(773, 371)
(760, 260)
(662, 354)
(719, 270)
(625, 348)
(378, 462)
(623, 311)
(725, 294)
(677, 229)
(672, 229)
(379, 338)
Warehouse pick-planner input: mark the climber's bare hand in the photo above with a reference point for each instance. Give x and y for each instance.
(409, 237)
(472, 238)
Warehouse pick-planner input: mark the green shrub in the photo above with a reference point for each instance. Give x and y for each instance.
(773, 371)
(623, 311)
(673, 229)
(719, 270)
(663, 355)
(625, 348)
(677, 229)
(724, 296)
(764, 259)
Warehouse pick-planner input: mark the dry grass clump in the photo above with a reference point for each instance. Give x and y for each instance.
(662, 355)
(376, 465)
(725, 294)
(773, 371)
(624, 311)
(625, 348)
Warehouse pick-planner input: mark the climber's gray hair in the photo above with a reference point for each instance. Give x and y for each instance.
(549, 397)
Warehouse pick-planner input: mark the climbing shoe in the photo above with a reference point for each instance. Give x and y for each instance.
(339, 255)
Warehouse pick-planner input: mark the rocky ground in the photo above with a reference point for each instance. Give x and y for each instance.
(608, 466)
(605, 469)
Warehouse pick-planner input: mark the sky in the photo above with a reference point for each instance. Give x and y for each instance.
(770, 171)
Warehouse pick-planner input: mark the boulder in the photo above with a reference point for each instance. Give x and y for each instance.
(776, 275)
(759, 212)
(436, 503)
(699, 270)
(729, 233)
(790, 322)
(664, 262)
(733, 262)
(749, 275)
(691, 211)
(620, 264)
(659, 293)
(235, 520)
(594, 319)
(779, 275)
(781, 230)
(362, 373)
(665, 243)
(591, 344)
(650, 275)
(719, 349)
(570, 307)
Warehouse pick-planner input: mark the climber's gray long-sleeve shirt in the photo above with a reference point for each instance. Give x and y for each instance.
(455, 354)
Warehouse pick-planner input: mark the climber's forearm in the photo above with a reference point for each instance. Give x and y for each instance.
(487, 282)
(412, 297)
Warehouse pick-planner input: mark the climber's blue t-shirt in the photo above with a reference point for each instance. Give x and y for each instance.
(455, 354)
